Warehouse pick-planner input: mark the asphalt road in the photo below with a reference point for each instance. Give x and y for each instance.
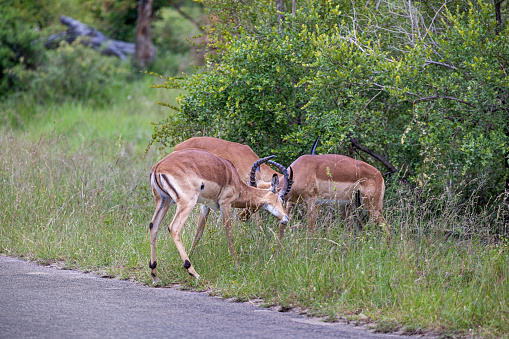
(45, 302)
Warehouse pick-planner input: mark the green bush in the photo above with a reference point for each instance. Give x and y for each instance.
(19, 47)
(74, 72)
(432, 102)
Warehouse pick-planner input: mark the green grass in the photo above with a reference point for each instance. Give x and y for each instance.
(126, 123)
(74, 190)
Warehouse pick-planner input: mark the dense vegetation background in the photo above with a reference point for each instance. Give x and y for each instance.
(417, 88)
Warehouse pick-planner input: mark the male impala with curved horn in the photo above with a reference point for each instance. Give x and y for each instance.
(191, 176)
(338, 178)
(241, 156)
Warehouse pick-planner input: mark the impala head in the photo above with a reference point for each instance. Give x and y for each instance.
(275, 199)
(288, 178)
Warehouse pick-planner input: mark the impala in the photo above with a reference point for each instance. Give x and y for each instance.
(332, 177)
(194, 176)
(242, 157)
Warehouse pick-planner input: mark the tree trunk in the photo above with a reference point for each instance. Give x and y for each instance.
(144, 50)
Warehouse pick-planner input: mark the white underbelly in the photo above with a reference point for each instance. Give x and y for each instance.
(322, 201)
(209, 203)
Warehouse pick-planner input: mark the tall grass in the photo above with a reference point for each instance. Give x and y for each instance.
(74, 190)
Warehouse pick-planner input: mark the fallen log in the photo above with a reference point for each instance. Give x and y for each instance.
(97, 40)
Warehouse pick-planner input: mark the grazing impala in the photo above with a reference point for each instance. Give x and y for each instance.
(191, 176)
(241, 156)
(338, 178)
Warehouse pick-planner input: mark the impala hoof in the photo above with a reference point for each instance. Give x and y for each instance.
(195, 275)
(190, 269)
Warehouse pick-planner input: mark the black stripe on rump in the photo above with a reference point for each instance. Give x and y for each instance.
(170, 185)
(157, 182)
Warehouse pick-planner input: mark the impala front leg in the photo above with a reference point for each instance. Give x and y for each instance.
(227, 223)
(312, 210)
(204, 213)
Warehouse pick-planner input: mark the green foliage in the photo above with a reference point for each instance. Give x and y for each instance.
(41, 13)
(19, 46)
(75, 72)
(170, 31)
(117, 18)
(428, 95)
(171, 34)
(460, 108)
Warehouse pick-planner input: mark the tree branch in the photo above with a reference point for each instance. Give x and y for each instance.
(355, 142)
(187, 17)
(431, 98)
(430, 62)
(444, 97)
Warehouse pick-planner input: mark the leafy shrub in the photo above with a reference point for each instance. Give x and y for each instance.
(75, 72)
(170, 34)
(18, 47)
(434, 105)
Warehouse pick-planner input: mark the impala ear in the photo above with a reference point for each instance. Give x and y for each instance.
(274, 183)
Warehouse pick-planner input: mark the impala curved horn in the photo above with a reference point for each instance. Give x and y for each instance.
(313, 149)
(290, 183)
(287, 185)
(252, 175)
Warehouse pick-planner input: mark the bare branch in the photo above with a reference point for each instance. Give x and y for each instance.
(430, 62)
(430, 98)
(355, 142)
(187, 17)
(435, 97)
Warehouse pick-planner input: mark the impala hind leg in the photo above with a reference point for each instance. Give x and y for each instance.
(374, 208)
(356, 211)
(180, 218)
(162, 205)
(377, 216)
(204, 213)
